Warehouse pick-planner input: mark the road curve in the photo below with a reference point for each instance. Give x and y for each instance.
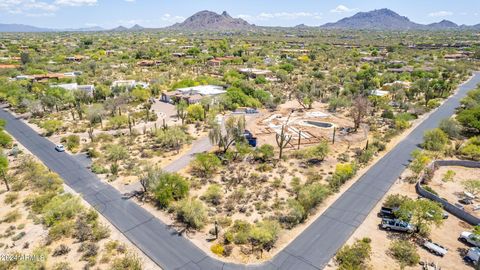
(312, 249)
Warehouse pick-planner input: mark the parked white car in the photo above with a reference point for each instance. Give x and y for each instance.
(470, 238)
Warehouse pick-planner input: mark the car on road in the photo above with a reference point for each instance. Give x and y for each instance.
(397, 225)
(60, 148)
(470, 238)
(435, 248)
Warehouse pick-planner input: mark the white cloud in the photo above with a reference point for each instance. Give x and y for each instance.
(31, 8)
(39, 8)
(342, 9)
(76, 3)
(440, 14)
(264, 16)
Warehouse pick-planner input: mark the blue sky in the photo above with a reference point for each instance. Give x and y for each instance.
(151, 13)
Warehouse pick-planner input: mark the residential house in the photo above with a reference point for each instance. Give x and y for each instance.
(193, 94)
(89, 89)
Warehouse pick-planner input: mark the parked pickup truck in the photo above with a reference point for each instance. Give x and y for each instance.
(396, 225)
(473, 255)
(435, 248)
(470, 238)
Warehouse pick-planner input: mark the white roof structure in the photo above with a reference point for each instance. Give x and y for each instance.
(255, 71)
(379, 93)
(204, 90)
(89, 88)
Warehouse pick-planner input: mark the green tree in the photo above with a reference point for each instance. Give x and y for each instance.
(435, 140)
(311, 195)
(196, 112)
(421, 213)
(451, 127)
(115, 153)
(264, 234)
(470, 118)
(172, 138)
(234, 130)
(170, 187)
(51, 126)
(140, 94)
(472, 186)
(264, 153)
(205, 164)
(404, 252)
(356, 256)
(471, 149)
(213, 194)
(192, 212)
(6, 140)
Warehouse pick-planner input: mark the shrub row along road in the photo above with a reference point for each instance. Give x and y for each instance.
(312, 249)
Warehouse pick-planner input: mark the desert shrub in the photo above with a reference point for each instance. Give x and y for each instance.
(72, 142)
(60, 208)
(61, 250)
(356, 256)
(12, 216)
(51, 126)
(5, 140)
(420, 161)
(192, 212)
(128, 262)
(264, 234)
(343, 172)
(451, 127)
(471, 149)
(213, 194)
(470, 119)
(100, 231)
(264, 153)
(205, 164)
(294, 214)
(448, 176)
(170, 187)
(239, 232)
(98, 168)
(404, 252)
(172, 138)
(19, 236)
(11, 197)
(435, 140)
(430, 189)
(218, 249)
(118, 121)
(395, 200)
(62, 266)
(196, 112)
(61, 229)
(364, 156)
(311, 195)
(89, 250)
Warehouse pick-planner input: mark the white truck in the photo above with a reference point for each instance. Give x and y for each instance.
(470, 238)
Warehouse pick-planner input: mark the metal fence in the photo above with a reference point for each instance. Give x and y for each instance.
(449, 207)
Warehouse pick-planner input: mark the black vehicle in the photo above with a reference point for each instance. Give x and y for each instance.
(466, 201)
(386, 212)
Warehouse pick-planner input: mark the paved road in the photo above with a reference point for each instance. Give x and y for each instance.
(312, 249)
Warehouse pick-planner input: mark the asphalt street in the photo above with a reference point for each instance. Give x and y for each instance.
(312, 249)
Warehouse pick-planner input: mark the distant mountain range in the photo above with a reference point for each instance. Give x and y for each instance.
(208, 20)
(381, 19)
(386, 19)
